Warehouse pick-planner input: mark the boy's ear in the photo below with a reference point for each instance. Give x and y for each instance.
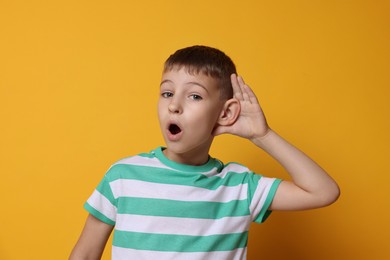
(230, 112)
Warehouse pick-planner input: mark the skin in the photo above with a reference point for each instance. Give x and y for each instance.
(92, 240)
(193, 103)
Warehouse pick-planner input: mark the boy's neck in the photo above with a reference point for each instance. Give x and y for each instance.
(189, 158)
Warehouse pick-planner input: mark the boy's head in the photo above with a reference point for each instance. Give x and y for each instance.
(207, 60)
(196, 102)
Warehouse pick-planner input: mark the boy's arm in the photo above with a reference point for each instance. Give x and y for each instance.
(92, 240)
(311, 187)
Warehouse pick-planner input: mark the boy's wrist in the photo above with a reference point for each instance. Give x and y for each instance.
(261, 140)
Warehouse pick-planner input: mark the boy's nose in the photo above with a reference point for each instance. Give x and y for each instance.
(174, 107)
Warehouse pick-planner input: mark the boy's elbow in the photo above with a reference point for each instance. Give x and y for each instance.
(331, 195)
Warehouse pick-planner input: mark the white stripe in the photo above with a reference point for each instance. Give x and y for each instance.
(119, 253)
(211, 173)
(142, 189)
(231, 167)
(260, 195)
(102, 204)
(142, 161)
(182, 226)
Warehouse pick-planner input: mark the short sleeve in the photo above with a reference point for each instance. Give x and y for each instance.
(261, 191)
(102, 203)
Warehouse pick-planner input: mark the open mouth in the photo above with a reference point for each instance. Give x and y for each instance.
(174, 129)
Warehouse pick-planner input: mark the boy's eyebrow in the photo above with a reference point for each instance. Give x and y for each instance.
(165, 81)
(187, 83)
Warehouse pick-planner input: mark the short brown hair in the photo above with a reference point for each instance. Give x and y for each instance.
(210, 61)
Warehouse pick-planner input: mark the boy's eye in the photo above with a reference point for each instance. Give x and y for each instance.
(167, 94)
(196, 97)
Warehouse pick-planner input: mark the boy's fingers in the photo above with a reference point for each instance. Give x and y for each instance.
(243, 88)
(237, 92)
(240, 80)
(242, 91)
(247, 92)
(251, 95)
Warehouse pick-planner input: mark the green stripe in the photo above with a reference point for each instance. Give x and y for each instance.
(105, 189)
(253, 182)
(147, 155)
(182, 209)
(98, 215)
(264, 213)
(167, 176)
(179, 243)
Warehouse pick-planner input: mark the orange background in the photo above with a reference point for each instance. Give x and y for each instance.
(78, 90)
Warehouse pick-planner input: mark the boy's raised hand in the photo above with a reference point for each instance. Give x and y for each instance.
(311, 187)
(251, 122)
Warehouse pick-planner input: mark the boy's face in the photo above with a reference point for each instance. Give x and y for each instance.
(188, 109)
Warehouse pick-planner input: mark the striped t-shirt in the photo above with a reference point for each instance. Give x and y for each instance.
(165, 210)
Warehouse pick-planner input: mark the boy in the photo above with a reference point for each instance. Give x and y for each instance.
(177, 202)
